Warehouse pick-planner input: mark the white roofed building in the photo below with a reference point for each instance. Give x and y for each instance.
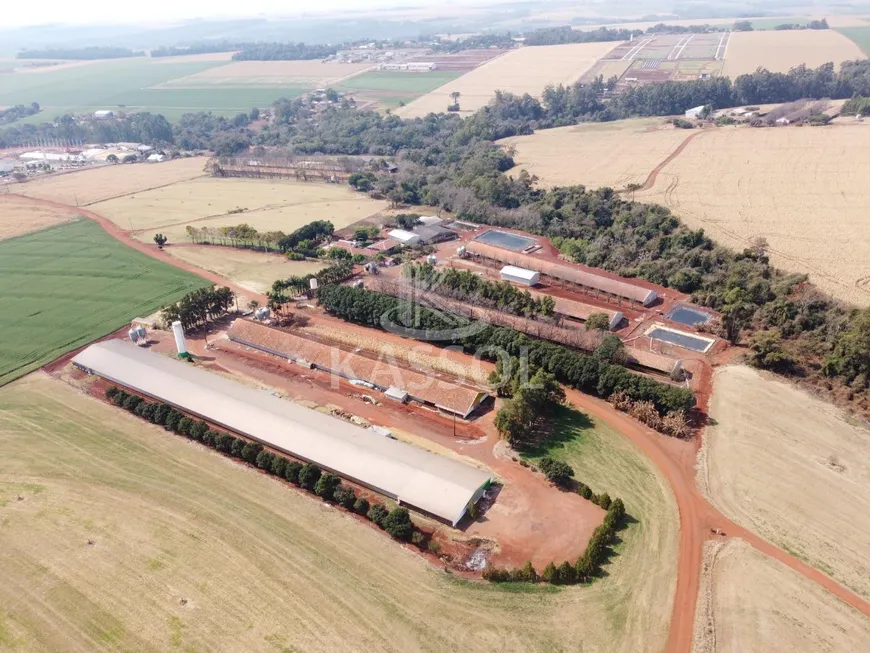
(428, 482)
(404, 237)
(520, 275)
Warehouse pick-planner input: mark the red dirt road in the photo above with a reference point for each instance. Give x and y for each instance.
(675, 459)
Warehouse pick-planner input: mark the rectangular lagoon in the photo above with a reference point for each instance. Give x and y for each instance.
(681, 339)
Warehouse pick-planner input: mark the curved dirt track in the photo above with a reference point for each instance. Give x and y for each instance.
(654, 174)
(675, 458)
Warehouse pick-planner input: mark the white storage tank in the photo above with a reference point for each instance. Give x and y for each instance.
(312, 283)
(519, 275)
(460, 251)
(178, 332)
(431, 259)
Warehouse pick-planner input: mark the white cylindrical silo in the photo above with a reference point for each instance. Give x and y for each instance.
(133, 334)
(313, 283)
(178, 332)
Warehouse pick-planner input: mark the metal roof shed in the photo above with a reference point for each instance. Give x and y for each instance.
(404, 237)
(435, 484)
(519, 275)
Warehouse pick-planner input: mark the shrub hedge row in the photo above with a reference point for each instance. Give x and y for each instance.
(397, 522)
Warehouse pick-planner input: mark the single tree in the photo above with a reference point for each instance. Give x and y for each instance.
(160, 239)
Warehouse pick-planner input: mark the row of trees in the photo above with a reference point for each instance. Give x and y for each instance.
(588, 373)
(283, 51)
(17, 112)
(584, 569)
(198, 307)
(240, 235)
(397, 522)
(283, 291)
(566, 34)
(467, 286)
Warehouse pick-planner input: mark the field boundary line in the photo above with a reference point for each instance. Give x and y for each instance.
(682, 49)
(144, 190)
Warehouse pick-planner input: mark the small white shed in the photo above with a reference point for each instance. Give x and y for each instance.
(694, 112)
(519, 275)
(396, 394)
(430, 220)
(405, 237)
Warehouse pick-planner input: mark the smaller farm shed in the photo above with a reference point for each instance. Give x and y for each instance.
(434, 484)
(404, 237)
(694, 112)
(434, 234)
(519, 275)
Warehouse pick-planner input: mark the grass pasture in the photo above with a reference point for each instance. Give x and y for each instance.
(63, 287)
(270, 205)
(387, 88)
(264, 568)
(779, 51)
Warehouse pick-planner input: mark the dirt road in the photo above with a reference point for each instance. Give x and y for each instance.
(675, 458)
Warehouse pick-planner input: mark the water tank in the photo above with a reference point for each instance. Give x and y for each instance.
(460, 251)
(132, 334)
(141, 332)
(313, 283)
(431, 259)
(262, 313)
(358, 283)
(178, 332)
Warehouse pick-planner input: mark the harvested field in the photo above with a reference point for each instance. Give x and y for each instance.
(800, 188)
(194, 551)
(63, 287)
(269, 205)
(304, 74)
(778, 51)
(756, 605)
(90, 185)
(526, 70)
(255, 271)
(607, 154)
(19, 217)
(793, 469)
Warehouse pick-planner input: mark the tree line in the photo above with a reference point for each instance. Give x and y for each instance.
(566, 34)
(283, 51)
(586, 373)
(17, 112)
(90, 52)
(198, 307)
(521, 421)
(308, 476)
(465, 285)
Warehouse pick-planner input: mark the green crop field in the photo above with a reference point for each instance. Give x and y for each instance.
(402, 82)
(125, 83)
(63, 287)
(860, 36)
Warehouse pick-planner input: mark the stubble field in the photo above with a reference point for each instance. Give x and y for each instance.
(255, 271)
(756, 605)
(19, 217)
(525, 70)
(262, 567)
(778, 51)
(269, 205)
(792, 469)
(304, 74)
(800, 188)
(65, 286)
(597, 154)
(90, 185)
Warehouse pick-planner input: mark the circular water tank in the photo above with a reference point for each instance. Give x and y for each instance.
(141, 331)
(431, 259)
(133, 334)
(313, 284)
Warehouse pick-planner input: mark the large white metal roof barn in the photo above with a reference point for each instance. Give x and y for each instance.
(431, 483)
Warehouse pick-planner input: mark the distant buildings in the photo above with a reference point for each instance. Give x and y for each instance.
(104, 114)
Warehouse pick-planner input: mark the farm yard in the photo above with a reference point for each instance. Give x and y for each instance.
(799, 188)
(664, 57)
(793, 469)
(526, 70)
(65, 286)
(597, 154)
(754, 603)
(19, 217)
(90, 185)
(164, 514)
(254, 271)
(778, 51)
(268, 206)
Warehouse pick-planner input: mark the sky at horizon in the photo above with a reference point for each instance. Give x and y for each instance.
(85, 12)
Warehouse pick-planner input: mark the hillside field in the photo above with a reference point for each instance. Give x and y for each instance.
(778, 51)
(263, 567)
(386, 89)
(97, 184)
(269, 205)
(793, 469)
(597, 154)
(19, 216)
(525, 70)
(65, 286)
(160, 85)
(759, 605)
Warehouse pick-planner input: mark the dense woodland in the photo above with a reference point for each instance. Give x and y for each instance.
(565, 34)
(92, 52)
(283, 51)
(18, 112)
